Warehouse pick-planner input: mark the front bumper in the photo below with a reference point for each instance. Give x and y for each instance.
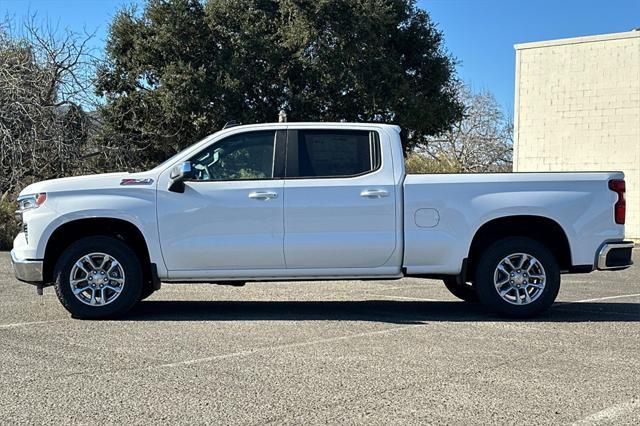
(29, 271)
(615, 255)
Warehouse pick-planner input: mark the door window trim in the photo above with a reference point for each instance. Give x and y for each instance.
(292, 160)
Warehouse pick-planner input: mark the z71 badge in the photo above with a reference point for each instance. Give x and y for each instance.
(147, 181)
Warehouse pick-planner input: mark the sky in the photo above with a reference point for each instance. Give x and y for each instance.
(480, 34)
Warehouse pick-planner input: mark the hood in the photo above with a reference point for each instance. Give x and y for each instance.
(88, 182)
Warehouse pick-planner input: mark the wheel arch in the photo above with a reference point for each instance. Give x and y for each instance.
(69, 232)
(539, 228)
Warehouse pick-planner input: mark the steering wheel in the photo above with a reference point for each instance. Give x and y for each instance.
(202, 171)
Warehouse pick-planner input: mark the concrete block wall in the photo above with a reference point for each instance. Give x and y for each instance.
(577, 108)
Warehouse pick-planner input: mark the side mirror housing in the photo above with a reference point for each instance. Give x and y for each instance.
(180, 174)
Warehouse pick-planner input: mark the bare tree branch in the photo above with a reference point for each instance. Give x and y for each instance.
(45, 86)
(480, 142)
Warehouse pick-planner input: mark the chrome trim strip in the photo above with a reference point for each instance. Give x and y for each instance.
(604, 251)
(27, 270)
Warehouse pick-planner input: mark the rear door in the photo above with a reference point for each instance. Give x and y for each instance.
(339, 207)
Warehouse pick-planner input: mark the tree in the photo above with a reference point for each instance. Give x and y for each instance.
(160, 83)
(44, 77)
(480, 142)
(181, 68)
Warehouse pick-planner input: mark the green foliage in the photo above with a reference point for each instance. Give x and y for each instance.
(423, 164)
(180, 69)
(9, 227)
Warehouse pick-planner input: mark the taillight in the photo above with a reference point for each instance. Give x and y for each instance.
(620, 208)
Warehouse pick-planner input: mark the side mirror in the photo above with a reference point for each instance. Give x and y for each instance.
(179, 174)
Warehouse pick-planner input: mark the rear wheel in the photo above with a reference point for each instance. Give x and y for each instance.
(464, 291)
(517, 277)
(98, 277)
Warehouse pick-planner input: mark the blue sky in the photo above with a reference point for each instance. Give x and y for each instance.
(479, 33)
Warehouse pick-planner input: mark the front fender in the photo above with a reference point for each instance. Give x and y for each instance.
(137, 206)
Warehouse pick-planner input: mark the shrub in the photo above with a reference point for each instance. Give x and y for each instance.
(9, 226)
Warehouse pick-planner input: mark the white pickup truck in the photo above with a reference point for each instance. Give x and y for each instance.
(309, 201)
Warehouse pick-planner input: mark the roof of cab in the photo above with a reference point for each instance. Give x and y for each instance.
(316, 124)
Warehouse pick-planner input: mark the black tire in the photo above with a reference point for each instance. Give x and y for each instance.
(463, 291)
(147, 291)
(125, 256)
(488, 264)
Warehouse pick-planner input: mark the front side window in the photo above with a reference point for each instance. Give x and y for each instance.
(245, 156)
(336, 153)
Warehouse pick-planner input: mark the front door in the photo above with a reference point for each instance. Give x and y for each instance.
(230, 216)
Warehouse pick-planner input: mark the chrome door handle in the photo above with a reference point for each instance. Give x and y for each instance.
(258, 195)
(374, 193)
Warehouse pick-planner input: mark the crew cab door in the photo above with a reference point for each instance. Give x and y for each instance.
(230, 215)
(339, 205)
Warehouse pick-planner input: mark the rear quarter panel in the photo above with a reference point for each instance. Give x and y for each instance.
(581, 203)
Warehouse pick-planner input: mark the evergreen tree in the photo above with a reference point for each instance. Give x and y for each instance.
(182, 68)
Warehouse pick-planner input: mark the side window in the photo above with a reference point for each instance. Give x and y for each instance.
(335, 153)
(244, 156)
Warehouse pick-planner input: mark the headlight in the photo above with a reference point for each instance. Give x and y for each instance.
(31, 201)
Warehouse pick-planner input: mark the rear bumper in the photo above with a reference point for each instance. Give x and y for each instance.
(29, 271)
(614, 256)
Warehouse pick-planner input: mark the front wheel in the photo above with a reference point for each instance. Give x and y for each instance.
(98, 277)
(464, 291)
(517, 277)
(147, 291)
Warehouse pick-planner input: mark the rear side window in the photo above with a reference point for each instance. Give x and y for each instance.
(334, 153)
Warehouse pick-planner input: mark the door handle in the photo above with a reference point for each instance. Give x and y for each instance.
(258, 195)
(374, 193)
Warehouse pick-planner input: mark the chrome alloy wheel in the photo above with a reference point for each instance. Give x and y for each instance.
(97, 279)
(519, 279)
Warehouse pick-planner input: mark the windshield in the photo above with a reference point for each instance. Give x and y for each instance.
(174, 156)
(168, 160)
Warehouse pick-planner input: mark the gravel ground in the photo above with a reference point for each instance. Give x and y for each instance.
(349, 352)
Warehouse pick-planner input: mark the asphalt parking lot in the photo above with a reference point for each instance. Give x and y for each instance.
(374, 352)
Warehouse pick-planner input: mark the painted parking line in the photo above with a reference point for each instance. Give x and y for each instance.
(610, 414)
(597, 299)
(285, 346)
(22, 324)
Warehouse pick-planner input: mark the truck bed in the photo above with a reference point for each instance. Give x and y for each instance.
(450, 208)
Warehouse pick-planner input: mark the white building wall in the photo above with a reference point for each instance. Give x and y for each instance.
(577, 108)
